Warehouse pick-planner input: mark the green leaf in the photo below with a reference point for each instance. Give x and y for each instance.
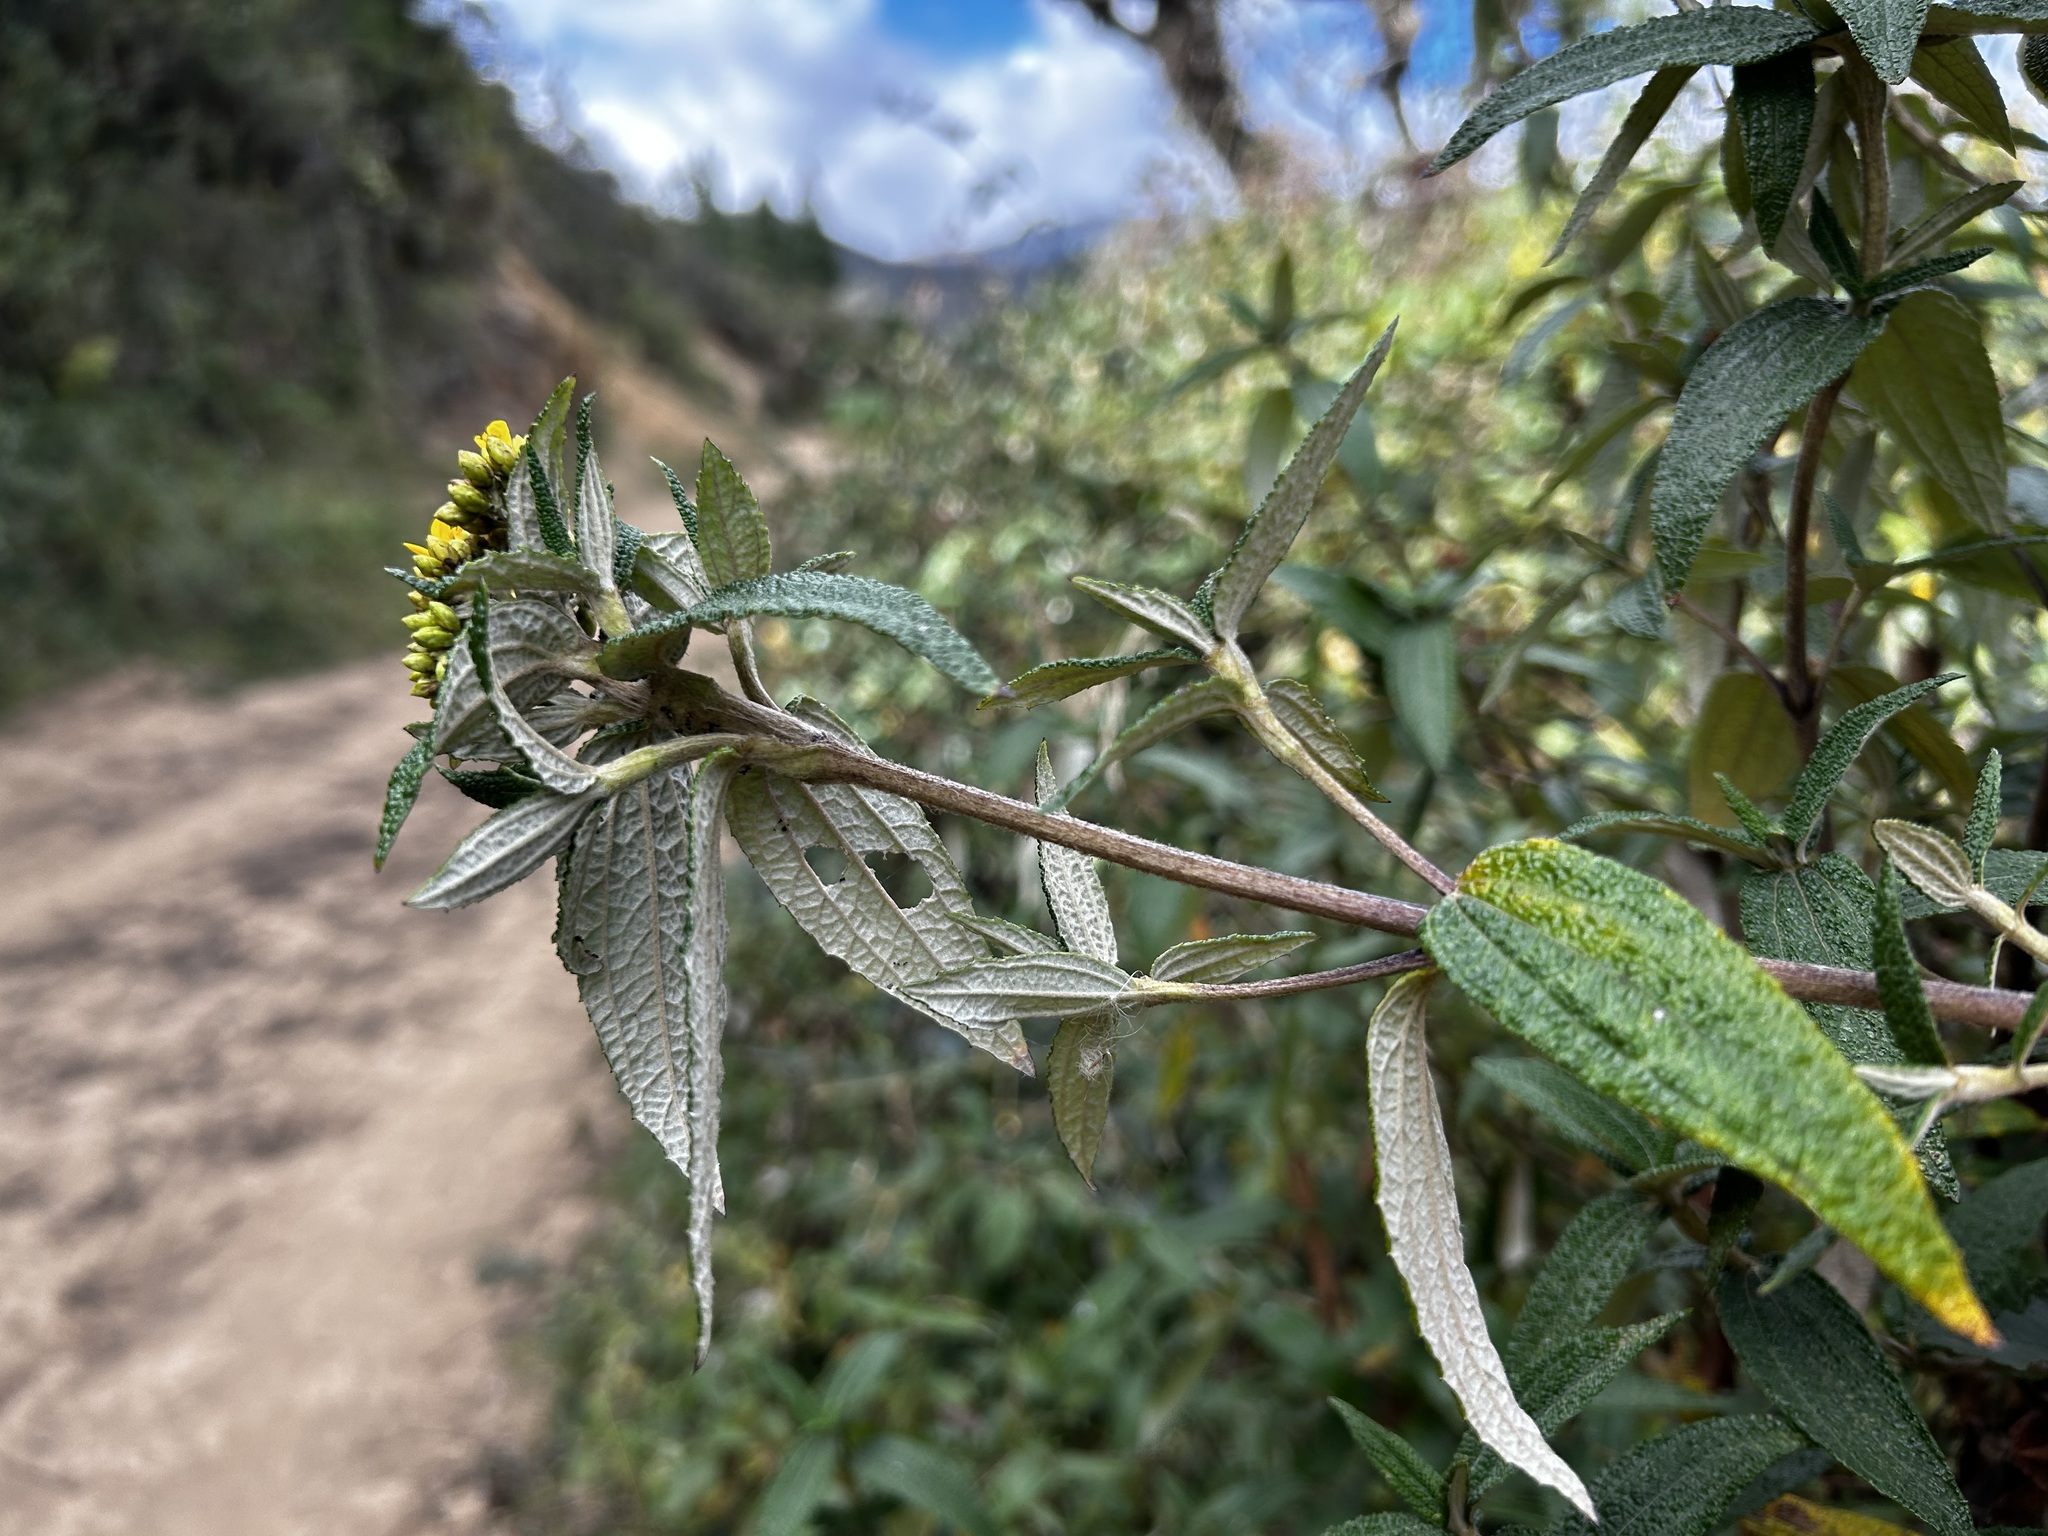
(1057, 985)
(1898, 980)
(1927, 232)
(626, 545)
(1757, 373)
(525, 570)
(550, 764)
(1840, 747)
(1178, 710)
(1390, 1524)
(1999, 1228)
(1161, 612)
(1265, 440)
(1955, 74)
(1612, 1132)
(401, 792)
(1073, 889)
(494, 787)
(1725, 35)
(1590, 443)
(1922, 273)
(801, 1483)
(504, 850)
(1301, 712)
(1420, 665)
(1418, 1200)
(1636, 222)
(1078, 1073)
(1054, 680)
(852, 917)
(1886, 32)
(547, 509)
(1420, 1485)
(1985, 807)
(641, 926)
(1773, 110)
(1591, 1258)
(731, 533)
(668, 574)
(1932, 861)
(1928, 380)
(1832, 242)
(1754, 822)
(1915, 728)
(1280, 302)
(1535, 291)
(1810, 1353)
(1720, 298)
(1683, 1482)
(1212, 366)
(1820, 913)
(534, 647)
(1636, 128)
(596, 526)
(1624, 983)
(685, 508)
(1962, 18)
(1274, 527)
(1736, 841)
(924, 1479)
(1210, 961)
(1741, 733)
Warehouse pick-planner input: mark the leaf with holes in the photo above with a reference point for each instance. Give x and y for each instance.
(1622, 981)
(1419, 1202)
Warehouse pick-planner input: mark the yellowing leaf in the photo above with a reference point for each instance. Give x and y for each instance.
(1622, 981)
(1741, 732)
(1790, 1516)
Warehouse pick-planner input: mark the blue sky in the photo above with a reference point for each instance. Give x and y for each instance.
(920, 127)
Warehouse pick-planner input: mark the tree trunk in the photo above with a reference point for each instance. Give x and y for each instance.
(1187, 39)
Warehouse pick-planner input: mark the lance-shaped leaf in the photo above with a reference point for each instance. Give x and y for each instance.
(1886, 32)
(1053, 680)
(668, 574)
(1420, 1485)
(2029, 16)
(1820, 913)
(1161, 612)
(1955, 74)
(522, 516)
(731, 533)
(1078, 1072)
(2012, 875)
(1636, 128)
(1391, 1523)
(1928, 380)
(1302, 713)
(547, 506)
(1810, 1353)
(549, 763)
(1592, 1256)
(534, 646)
(1273, 528)
(1723, 35)
(1056, 985)
(1985, 807)
(1418, 1200)
(1683, 1482)
(1927, 232)
(1203, 700)
(1999, 1227)
(642, 927)
(1915, 727)
(402, 790)
(1741, 390)
(504, 850)
(1728, 840)
(1420, 666)
(1773, 106)
(1906, 1010)
(1623, 982)
(1934, 864)
(1073, 890)
(596, 528)
(1008, 937)
(523, 570)
(1612, 1132)
(495, 787)
(686, 509)
(853, 917)
(1210, 961)
(893, 612)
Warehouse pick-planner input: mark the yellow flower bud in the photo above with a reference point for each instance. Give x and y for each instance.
(445, 617)
(468, 497)
(424, 688)
(476, 469)
(427, 566)
(419, 621)
(417, 599)
(447, 533)
(450, 514)
(419, 663)
(501, 453)
(431, 638)
(502, 433)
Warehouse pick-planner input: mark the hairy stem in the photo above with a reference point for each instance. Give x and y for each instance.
(1869, 98)
(1804, 697)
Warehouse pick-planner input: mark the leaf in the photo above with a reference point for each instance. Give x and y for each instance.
(1593, 441)
(1742, 733)
(1928, 380)
(668, 574)
(685, 508)
(525, 570)
(1683, 1482)
(401, 792)
(853, 918)
(1754, 822)
(1928, 231)
(1535, 291)
(1009, 937)
(1726, 35)
(1392, 1523)
(1073, 890)
(1821, 914)
(1773, 109)
(1056, 985)
(731, 533)
(1265, 440)
(1612, 1132)
(1735, 841)
(522, 516)
(1622, 982)
(1999, 1228)
(1906, 1011)
(1933, 862)
(504, 850)
(496, 787)
(1420, 665)
(642, 927)
(1790, 1516)
(1915, 728)
(1210, 961)
(1302, 714)
(1591, 1258)
(534, 646)
(1420, 1485)
(1955, 74)
(1078, 1072)
(1756, 373)
(1418, 1201)
(1886, 32)
(1986, 804)
(1273, 528)
(1922, 273)
(801, 1483)
(1183, 707)
(1810, 1353)
(550, 764)
(626, 543)
(1636, 128)
(547, 510)
(2009, 874)
(1845, 739)
(1161, 612)
(1636, 222)
(1053, 680)
(1212, 366)
(596, 527)
(924, 1479)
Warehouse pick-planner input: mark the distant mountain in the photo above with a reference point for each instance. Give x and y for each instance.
(950, 291)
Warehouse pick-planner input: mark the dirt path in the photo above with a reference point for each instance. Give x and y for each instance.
(260, 1156)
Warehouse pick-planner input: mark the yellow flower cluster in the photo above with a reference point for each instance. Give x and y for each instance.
(469, 522)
